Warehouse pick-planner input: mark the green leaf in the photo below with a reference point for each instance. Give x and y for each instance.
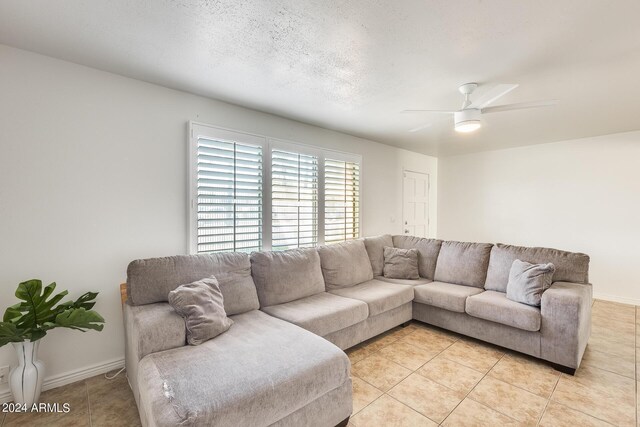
(86, 301)
(35, 306)
(9, 333)
(40, 310)
(12, 314)
(80, 319)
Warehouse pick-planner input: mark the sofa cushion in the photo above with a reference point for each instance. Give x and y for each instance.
(380, 296)
(445, 295)
(463, 263)
(409, 282)
(243, 377)
(401, 263)
(496, 307)
(375, 249)
(428, 250)
(200, 305)
(345, 264)
(321, 313)
(151, 280)
(570, 266)
(528, 281)
(283, 276)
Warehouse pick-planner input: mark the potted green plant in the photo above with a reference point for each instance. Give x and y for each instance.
(27, 322)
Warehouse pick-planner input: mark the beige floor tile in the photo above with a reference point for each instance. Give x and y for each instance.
(602, 394)
(473, 414)
(473, 355)
(111, 402)
(401, 331)
(638, 403)
(557, 415)
(407, 355)
(451, 374)
(620, 365)
(527, 373)
(604, 324)
(625, 331)
(613, 346)
(357, 353)
(380, 372)
(388, 412)
(424, 339)
(363, 394)
(510, 400)
(432, 332)
(603, 306)
(380, 342)
(74, 394)
(431, 399)
(613, 315)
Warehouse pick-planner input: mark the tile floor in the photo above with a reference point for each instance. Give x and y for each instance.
(425, 376)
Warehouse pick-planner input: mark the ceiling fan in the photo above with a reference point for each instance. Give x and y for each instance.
(467, 119)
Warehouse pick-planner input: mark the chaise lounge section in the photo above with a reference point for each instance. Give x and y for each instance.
(295, 311)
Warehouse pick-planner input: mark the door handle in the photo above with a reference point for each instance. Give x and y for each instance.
(406, 231)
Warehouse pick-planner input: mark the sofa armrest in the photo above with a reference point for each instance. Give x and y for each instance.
(566, 322)
(151, 328)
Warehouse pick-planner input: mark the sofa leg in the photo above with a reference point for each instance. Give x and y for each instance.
(405, 324)
(344, 422)
(564, 369)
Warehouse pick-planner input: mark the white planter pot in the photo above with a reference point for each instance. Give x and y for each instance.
(25, 380)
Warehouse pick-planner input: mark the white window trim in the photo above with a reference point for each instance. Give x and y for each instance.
(196, 129)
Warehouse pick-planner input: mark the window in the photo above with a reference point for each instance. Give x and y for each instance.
(250, 193)
(294, 200)
(228, 190)
(342, 200)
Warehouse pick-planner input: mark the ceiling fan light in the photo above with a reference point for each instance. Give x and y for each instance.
(468, 126)
(467, 120)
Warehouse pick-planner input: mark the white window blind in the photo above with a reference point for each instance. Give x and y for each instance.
(249, 193)
(342, 200)
(294, 200)
(229, 196)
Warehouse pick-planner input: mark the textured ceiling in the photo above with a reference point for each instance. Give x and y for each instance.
(354, 65)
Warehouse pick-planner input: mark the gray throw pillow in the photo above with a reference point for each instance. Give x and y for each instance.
(401, 263)
(528, 281)
(201, 305)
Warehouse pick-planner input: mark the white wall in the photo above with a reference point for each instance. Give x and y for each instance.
(93, 175)
(580, 195)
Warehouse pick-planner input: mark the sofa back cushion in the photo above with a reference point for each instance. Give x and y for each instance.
(375, 249)
(463, 263)
(284, 276)
(570, 266)
(345, 264)
(428, 250)
(151, 280)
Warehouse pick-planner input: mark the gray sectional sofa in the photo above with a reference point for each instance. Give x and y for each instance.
(282, 364)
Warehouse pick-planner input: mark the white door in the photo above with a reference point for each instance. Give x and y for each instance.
(415, 204)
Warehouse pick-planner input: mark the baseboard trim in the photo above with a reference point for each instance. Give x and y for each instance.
(614, 298)
(72, 376)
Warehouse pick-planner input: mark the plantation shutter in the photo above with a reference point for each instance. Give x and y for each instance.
(342, 200)
(229, 196)
(294, 200)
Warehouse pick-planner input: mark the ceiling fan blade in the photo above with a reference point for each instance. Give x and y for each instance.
(520, 106)
(492, 94)
(428, 111)
(419, 128)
